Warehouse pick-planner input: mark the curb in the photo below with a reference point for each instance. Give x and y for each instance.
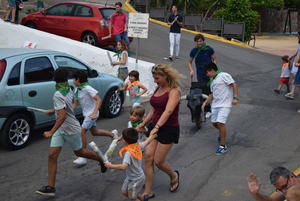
(129, 8)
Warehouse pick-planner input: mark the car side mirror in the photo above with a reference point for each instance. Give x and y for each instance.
(43, 12)
(93, 73)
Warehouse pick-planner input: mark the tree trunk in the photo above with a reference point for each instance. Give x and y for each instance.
(157, 3)
(298, 19)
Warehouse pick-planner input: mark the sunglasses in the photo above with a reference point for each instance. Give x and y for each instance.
(155, 68)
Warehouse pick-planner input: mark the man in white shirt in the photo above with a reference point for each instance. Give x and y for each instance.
(224, 94)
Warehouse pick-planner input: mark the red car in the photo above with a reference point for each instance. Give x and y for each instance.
(86, 22)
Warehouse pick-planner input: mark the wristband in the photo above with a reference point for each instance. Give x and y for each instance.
(236, 97)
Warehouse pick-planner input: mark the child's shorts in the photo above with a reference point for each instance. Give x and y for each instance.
(88, 123)
(133, 187)
(284, 80)
(123, 73)
(58, 140)
(12, 4)
(220, 114)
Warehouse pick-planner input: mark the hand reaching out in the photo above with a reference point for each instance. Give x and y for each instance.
(47, 134)
(253, 184)
(107, 164)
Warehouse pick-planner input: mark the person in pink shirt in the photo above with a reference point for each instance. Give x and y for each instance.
(118, 24)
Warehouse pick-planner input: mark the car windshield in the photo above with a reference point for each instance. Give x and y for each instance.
(2, 68)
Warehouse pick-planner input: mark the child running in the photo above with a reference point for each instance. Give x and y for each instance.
(65, 130)
(90, 103)
(122, 60)
(133, 85)
(285, 75)
(224, 94)
(132, 162)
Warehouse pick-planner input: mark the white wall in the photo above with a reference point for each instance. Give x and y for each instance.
(15, 36)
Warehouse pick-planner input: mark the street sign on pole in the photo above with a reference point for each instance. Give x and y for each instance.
(138, 25)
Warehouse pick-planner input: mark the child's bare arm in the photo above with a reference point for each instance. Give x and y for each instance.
(122, 166)
(97, 106)
(143, 91)
(50, 112)
(149, 139)
(122, 62)
(235, 93)
(124, 88)
(61, 117)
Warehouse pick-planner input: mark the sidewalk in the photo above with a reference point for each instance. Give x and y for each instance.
(277, 45)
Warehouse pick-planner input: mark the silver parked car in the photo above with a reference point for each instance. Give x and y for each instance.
(26, 81)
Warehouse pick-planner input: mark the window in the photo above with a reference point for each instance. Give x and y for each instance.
(61, 10)
(14, 76)
(38, 69)
(83, 11)
(71, 64)
(106, 12)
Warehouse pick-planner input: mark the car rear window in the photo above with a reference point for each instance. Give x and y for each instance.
(106, 12)
(83, 11)
(2, 68)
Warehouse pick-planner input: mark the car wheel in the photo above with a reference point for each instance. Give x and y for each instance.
(112, 104)
(30, 25)
(16, 132)
(90, 38)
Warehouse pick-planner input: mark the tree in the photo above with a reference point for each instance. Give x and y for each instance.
(294, 4)
(240, 11)
(257, 4)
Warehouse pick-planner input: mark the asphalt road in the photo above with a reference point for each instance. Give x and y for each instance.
(262, 133)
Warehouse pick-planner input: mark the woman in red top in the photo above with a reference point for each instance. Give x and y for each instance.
(164, 119)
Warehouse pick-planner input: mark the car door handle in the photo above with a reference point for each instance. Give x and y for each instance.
(32, 93)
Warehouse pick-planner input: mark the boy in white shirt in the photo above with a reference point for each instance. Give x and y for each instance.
(90, 103)
(224, 94)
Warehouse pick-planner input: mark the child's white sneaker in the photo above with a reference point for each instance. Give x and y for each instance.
(80, 161)
(116, 133)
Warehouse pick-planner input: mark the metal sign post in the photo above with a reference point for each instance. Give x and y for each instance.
(137, 53)
(138, 25)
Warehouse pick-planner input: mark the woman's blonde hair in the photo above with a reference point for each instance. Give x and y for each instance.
(172, 75)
